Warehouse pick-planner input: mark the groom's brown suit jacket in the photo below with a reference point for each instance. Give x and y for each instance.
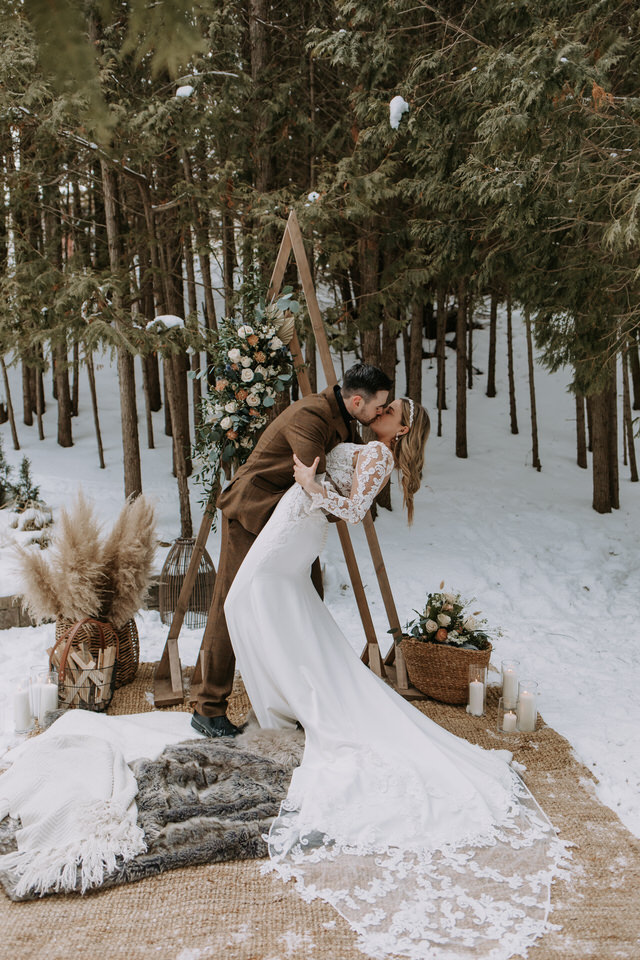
(309, 428)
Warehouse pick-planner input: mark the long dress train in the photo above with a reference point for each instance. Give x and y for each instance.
(432, 848)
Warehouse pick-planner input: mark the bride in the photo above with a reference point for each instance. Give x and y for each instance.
(430, 847)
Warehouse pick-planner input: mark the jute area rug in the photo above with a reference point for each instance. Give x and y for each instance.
(230, 911)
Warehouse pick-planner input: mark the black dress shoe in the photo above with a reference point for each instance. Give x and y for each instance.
(214, 726)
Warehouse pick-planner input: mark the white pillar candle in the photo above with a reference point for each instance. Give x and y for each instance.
(22, 710)
(509, 722)
(48, 699)
(527, 712)
(510, 687)
(476, 698)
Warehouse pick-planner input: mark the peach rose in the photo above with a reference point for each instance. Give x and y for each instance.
(220, 385)
(232, 435)
(260, 356)
(252, 340)
(253, 412)
(241, 395)
(441, 635)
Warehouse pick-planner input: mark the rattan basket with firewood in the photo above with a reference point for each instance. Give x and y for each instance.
(128, 649)
(85, 655)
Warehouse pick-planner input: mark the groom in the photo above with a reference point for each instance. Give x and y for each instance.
(310, 428)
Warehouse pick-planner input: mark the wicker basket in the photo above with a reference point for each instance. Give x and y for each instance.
(128, 653)
(85, 655)
(440, 670)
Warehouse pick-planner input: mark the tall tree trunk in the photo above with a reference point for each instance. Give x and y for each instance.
(64, 396)
(493, 331)
(75, 384)
(589, 425)
(406, 352)
(628, 420)
(634, 361)
(229, 259)
(126, 371)
(470, 345)
(94, 405)
(512, 380)
(53, 251)
(172, 375)
(7, 392)
(27, 400)
(415, 357)
(532, 397)
(147, 403)
(369, 314)
(196, 383)
(39, 403)
(581, 432)
(259, 42)
(461, 372)
(600, 412)
(614, 483)
(441, 354)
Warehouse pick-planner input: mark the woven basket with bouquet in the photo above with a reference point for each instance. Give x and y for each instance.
(440, 645)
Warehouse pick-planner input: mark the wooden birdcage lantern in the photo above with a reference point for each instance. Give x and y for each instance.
(172, 579)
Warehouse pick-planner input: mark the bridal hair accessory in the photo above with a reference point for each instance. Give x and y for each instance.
(411, 408)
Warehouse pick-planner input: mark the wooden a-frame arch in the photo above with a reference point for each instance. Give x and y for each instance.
(168, 689)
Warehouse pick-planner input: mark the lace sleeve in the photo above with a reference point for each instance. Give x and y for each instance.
(373, 466)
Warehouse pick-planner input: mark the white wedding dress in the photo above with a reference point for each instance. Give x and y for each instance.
(429, 846)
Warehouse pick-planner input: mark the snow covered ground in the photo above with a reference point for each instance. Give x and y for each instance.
(559, 580)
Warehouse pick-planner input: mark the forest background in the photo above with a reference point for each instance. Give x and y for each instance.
(149, 149)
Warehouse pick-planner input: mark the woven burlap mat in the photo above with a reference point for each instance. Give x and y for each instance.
(230, 911)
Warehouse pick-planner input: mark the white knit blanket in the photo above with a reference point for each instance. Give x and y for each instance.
(74, 793)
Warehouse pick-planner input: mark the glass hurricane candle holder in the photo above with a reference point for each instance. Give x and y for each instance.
(22, 715)
(47, 693)
(510, 681)
(527, 709)
(477, 690)
(507, 718)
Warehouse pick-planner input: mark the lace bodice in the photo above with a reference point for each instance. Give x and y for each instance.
(355, 475)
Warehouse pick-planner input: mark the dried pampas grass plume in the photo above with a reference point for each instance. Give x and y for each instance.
(126, 560)
(84, 576)
(68, 583)
(40, 584)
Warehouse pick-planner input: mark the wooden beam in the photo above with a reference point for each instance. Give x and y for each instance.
(167, 680)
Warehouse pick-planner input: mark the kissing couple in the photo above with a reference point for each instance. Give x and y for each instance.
(430, 847)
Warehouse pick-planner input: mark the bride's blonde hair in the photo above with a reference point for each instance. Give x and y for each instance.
(408, 450)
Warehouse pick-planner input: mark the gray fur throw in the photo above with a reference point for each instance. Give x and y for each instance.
(202, 801)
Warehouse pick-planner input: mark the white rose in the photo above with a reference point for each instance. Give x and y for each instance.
(444, 620)
(430, 626)
(225, 423)
(252, 400)
(245, 331)
(469, 624)
(231, 407)
(261, 370)
(246, 361)
(259, 386)
(234, 355)
(247, 375)
(276, 343)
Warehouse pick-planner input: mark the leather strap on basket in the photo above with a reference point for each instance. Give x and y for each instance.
(69, 636)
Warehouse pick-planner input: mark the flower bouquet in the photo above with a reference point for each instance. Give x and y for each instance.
(441, 644)
(251, 366)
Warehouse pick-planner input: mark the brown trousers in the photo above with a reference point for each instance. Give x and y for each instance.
(216, 653)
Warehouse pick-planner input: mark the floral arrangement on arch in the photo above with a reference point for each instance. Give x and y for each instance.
(445, 620)
(251, 365)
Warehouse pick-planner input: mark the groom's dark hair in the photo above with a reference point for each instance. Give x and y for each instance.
(365, 380)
